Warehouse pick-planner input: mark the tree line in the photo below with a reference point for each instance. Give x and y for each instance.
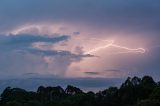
(133, 92)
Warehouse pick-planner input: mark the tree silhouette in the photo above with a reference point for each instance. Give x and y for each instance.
(133, 92)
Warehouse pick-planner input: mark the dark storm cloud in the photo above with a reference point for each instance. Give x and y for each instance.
(58, 53)
(29, 39)
(19, 56)
(24, 42)
(112, 70)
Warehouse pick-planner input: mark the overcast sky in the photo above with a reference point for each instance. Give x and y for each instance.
(80, 38)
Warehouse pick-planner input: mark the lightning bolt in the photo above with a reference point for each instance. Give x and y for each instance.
(112, 44)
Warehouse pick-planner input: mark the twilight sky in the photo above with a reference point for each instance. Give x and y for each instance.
(80, 38)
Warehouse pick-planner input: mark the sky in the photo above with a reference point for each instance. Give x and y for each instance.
(79, 38)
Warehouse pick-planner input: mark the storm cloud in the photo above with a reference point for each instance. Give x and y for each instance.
(24, 42)
(17, 46)
(51, 36)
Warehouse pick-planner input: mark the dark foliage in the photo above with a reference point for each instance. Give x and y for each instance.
(133, 92)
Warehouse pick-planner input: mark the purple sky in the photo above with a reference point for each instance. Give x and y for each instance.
(80, 38)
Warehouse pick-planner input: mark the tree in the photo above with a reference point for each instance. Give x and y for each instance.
(155, 95)
(110, 97)
(71, 90)
(50, 93)
(148, 102)
(127, 92)
(147, 85)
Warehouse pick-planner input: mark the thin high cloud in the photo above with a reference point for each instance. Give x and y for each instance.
(118, 14)
(92, 73)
